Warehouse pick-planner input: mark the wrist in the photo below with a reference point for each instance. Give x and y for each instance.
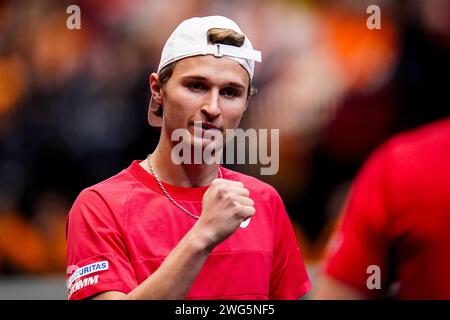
(201, 240)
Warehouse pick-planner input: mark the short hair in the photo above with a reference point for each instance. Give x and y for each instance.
(215, 35)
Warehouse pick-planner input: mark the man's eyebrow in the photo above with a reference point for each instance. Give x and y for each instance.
(204, 79)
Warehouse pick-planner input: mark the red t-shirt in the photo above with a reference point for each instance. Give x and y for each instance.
(398, 218)
(121, 230)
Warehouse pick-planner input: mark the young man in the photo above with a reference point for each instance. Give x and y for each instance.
(395, 236)
(158, 230)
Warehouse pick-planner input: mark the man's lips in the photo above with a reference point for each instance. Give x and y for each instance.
(206, 126)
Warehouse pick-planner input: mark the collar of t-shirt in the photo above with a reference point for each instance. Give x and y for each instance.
(177, 192)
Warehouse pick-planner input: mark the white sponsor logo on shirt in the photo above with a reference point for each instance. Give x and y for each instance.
(84, 271)
(83, 283)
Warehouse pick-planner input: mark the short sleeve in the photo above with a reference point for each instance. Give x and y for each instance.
(358, 247)
(96, 253)
(289, 277)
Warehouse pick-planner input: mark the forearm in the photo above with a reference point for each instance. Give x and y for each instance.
(175, 276)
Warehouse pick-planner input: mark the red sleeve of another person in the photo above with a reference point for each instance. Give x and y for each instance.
(360, 245)
(96, 253)
(289, 278)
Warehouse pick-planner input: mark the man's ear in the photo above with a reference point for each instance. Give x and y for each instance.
(156, 88)
(249, 100)
(252, 91)
(246, 104)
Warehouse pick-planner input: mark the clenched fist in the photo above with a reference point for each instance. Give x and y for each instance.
(226, 204)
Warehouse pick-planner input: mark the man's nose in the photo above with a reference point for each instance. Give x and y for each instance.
(211, 105)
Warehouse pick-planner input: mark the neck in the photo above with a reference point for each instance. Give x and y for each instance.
(184, 175)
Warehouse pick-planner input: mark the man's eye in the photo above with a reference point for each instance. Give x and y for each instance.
(197, 86)
(229, 92)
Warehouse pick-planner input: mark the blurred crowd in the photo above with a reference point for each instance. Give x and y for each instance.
(73, 103)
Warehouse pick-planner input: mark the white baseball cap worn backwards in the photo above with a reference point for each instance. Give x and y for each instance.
(190, 39)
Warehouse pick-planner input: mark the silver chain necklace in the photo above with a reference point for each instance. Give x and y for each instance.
(168, 195)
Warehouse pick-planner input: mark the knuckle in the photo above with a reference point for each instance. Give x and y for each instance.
(237, 206)
(251, 211)
(227, 196)
(221, 192)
